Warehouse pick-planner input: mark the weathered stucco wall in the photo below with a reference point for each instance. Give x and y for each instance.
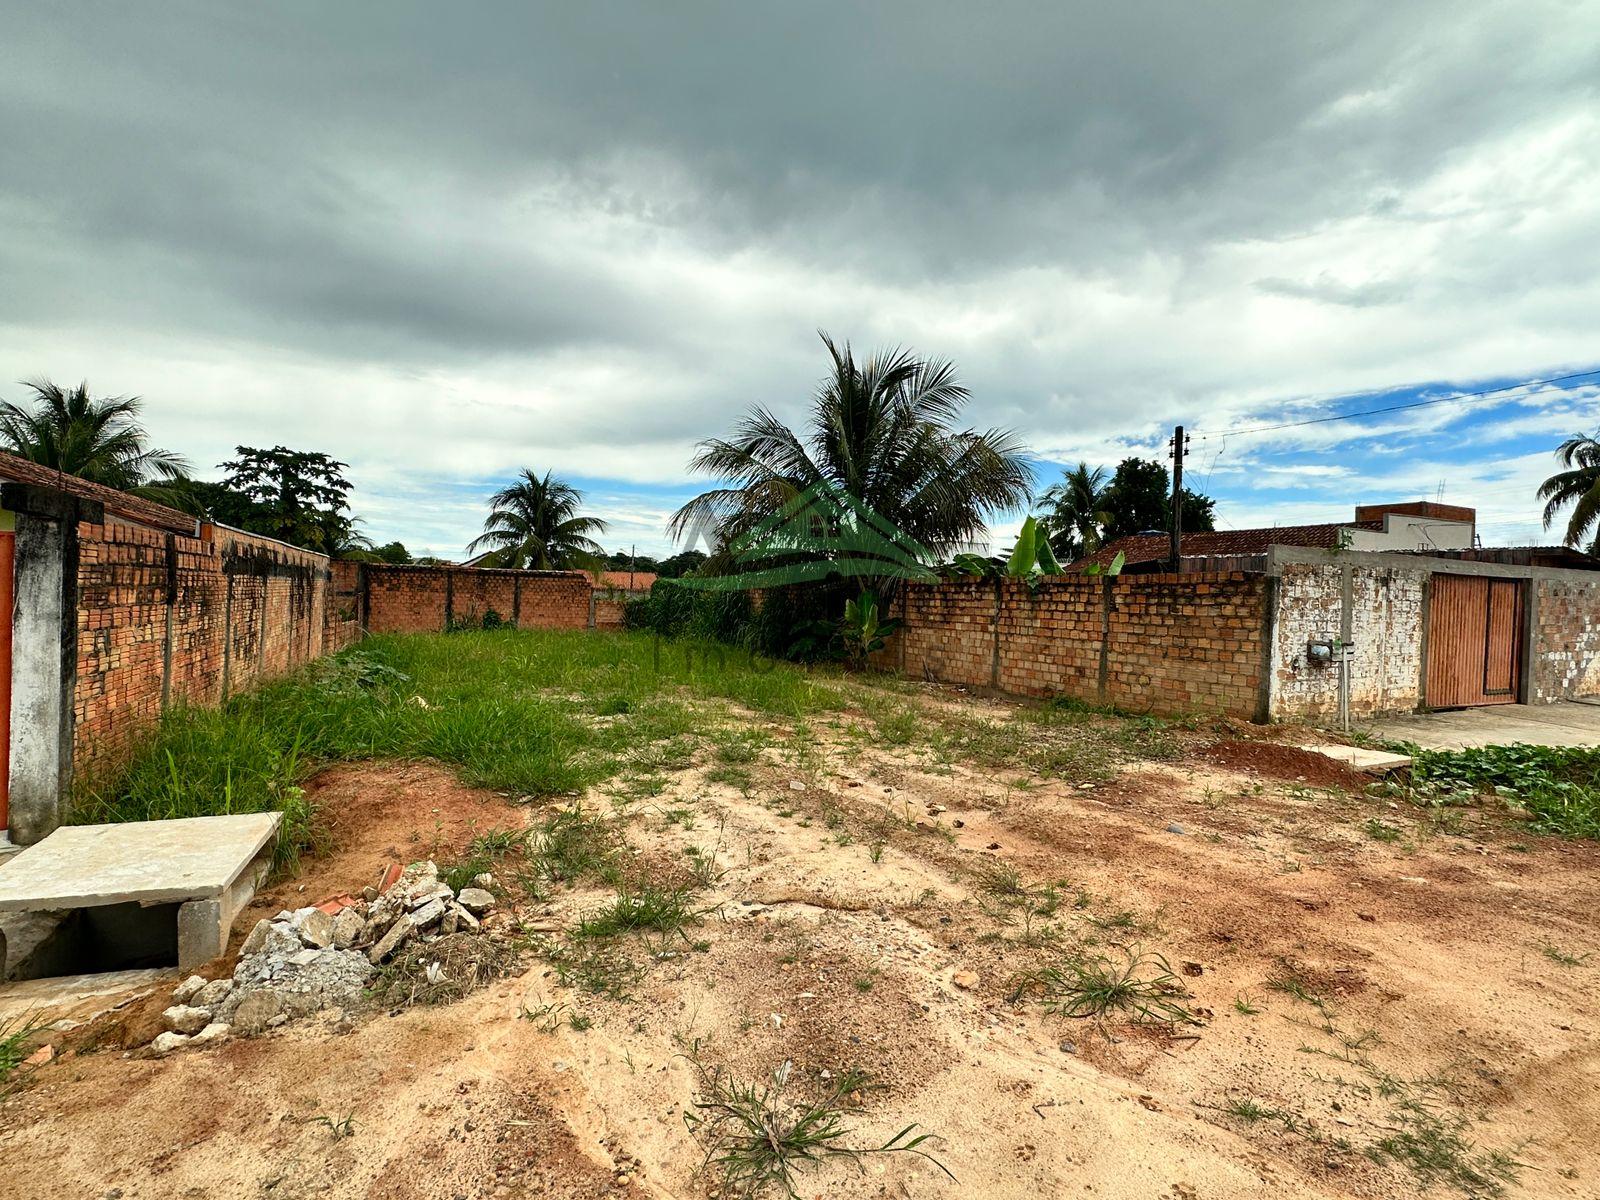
(1379, 603)
(1376, 609)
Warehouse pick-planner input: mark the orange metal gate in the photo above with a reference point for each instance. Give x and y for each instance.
(1474, 641)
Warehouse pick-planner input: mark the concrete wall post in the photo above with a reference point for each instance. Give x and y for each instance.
(44, 662)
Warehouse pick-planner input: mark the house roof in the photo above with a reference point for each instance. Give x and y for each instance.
(15, 469)
(1224, 543)
(638, 581)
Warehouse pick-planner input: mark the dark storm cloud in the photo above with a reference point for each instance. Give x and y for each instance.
(599, 229)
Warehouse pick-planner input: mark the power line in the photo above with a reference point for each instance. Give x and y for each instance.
(1372, 412)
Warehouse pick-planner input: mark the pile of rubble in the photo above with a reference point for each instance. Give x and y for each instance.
(321, 958)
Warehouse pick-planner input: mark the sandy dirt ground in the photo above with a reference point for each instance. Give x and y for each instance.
(1379, 1007)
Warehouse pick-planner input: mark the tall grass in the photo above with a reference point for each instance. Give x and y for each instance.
(511, 709)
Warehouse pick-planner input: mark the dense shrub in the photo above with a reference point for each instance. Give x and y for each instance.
(672, 610)
(796, 623)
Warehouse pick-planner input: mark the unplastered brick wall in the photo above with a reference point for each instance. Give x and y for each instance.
(1376, 609)
(609, 605)
(1153, 643)
(1566, 629)
(164, 618)
(423, 599)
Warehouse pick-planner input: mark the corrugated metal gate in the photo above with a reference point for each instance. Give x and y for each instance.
(1474, 641)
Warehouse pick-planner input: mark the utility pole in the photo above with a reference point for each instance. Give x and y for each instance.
(1179, 444)
(633, 562)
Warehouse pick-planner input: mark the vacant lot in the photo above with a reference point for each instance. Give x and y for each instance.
(772, 921)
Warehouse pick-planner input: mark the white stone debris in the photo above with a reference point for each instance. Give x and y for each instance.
(166, 1043)
(182, 1018)
(309, 961)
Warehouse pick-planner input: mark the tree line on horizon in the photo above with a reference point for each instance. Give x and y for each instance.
(883, 430)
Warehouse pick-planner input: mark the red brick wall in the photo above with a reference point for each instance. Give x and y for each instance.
(414, 599)
(1157, 643)
(165, 619)
(610, 603)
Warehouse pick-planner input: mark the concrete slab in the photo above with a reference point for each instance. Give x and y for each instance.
(78, 999)
(1378, 762)
(149, 862)
(1568, 723)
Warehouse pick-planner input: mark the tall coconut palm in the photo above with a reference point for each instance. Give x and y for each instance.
(97, 439)
(880, 431)
(1075, 515)
(535, 523)
(1577, 485)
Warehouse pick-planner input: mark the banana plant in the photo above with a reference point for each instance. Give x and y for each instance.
(864, 630)
(1114, 567)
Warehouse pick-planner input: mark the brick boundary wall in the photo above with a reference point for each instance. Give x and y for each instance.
(166, 619)
(1148, 643)
(424, 599)
(609, 604)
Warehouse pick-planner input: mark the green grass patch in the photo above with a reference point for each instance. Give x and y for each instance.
(496, 704)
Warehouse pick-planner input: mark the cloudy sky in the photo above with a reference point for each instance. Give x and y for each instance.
(443, 242)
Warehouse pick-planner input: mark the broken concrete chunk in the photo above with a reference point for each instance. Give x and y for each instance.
(316, 929)
(428, 913)
(484, 881)
(182, 1018)
(255, 1010)
(451, 919)
(304, 958)
(166, 1043)
(217, 1031)
(186, 990)
(476, 900)
(254, 943)
(442, 892)
(419, 881)
(347, 927)
(391, 941)
(466, 919)
(270, 937)
(213, 993)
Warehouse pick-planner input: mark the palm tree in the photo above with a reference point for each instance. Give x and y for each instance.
(1075, 511)
(1578, 485)
(535, 523)
(880, 432)
(100, 440)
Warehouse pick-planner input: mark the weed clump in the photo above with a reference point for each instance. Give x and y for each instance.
(1142, 985)
(759, 1142)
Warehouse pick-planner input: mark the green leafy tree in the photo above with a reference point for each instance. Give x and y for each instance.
(1075, 515)
(1577, 484)
(881, 431)
(1139, 499)
(98, 439)
(623, 561)
(299, 496)
(535, 523)
(676, 566)
(393, 553)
